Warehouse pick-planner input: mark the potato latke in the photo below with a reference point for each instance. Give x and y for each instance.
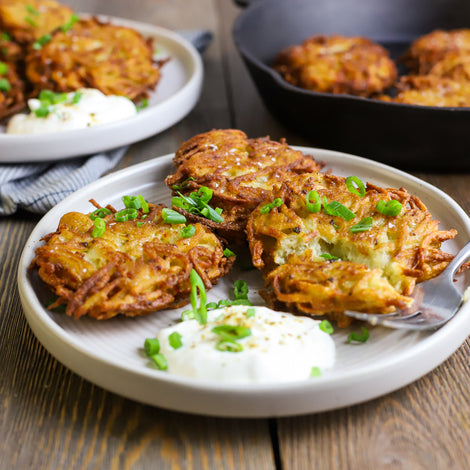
(135, 268)
(114, 59)
(241, 172)
(337, 64)
(370, 270)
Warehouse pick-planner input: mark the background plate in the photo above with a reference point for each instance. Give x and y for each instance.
(174, 97)
(110, 353)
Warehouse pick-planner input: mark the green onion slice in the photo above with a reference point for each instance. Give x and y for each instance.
(5, 36)
(326, 327)
(314, 206)
(327, 256)
(187, 315)
(175, 340)
(3, 68)
(200, 313)
(197, 203)
(228, 253)
(240, 289)
(143, 104)
(31, 21)
(211, 306)
(172, 217)
(42, 111)
(391, 208)
(126, 214)
(32, 10)
(160, 361)
(229, 346)
(70, 24)
(42, 41)
(77, 97)
(360, 190)
(267, 207)
(337, 209)
(250, 312)
(151, 346)
(4, 85)
(359, 337)
(143, 204)
(100, 228)
(363, 226)
(188, 231)
(231, 332)
(315, 372)
(100, 213)
(179, 187)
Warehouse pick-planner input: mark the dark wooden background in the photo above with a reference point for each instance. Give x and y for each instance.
(52, 419)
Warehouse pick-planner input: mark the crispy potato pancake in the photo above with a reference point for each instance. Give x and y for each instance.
(431, 48)
(429, 90)
(114, 59)
(28, 20)
(135, 268)
(11, 91)
(371, 270)
(241, 172)
(337, 64)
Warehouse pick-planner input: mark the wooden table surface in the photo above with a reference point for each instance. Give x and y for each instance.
(50, 418)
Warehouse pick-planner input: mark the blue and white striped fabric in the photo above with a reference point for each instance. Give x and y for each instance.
(37, 187)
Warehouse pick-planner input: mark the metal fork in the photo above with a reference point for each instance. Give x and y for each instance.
(435, 302)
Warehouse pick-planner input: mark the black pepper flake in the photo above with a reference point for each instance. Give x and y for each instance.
(297, 229)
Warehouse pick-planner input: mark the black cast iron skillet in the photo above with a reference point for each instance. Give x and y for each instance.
(406, 136)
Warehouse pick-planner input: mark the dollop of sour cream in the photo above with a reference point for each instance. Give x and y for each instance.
(280, 348)
(92, 108)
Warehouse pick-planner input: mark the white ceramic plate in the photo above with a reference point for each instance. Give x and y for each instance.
(110, 353)
(174, 97)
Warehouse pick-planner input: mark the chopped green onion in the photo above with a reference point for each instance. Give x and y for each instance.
(5, 36)
(42, 41)
(361, 338)
(160, 361)
(197, 203)
(240, 289)
(70, 23)
(48, 97)
(30, 21)
(32, 10)
(200, 313)
(363, 226)
(391, 208)
(4, 85)
(179, 187)
(337, 209)
(250, 313)
(3, 68)
(224, 303)
(326, 327)
(231, 332)
(140, 224)
(314, 206)
(360, 190)
(327, 256)
(100, 213)
(100, 228)
(175, 340)
(188, 231)
(267, 207)
(211, 306)
(315, 372)
(126, 214)
(77, 97)
(239, 302)
(142, 105)
(151, 346)
(143, 204)
(172, 217)
(42, 111)
(228, 253)
(187, 315)
(229, 346)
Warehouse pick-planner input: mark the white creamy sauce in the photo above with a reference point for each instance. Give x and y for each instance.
(93, 109)
(281, 347)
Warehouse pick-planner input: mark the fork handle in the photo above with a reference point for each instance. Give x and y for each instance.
(460, 258)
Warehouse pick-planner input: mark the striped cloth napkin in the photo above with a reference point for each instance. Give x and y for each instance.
(37, 187)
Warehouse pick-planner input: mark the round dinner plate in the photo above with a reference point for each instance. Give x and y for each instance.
(175, 96)
(110, 353)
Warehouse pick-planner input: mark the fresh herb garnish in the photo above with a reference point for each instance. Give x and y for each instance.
(175, 340)
(359, 337)
(267, 207)
(142, 105)
(3, 68)
(100, 228)
(228, 253)
(172, 217)
(337, 209)
(197, 203)
(315, 372)
(100, 213)
(360, 190)
(126, 214)
(41, 42)
(4, 85)
(326, 327)
(363, 226)
(188, 231)
(200, 313)
(314, 206)
(328, 257)
(70, 23)
(391, 208)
